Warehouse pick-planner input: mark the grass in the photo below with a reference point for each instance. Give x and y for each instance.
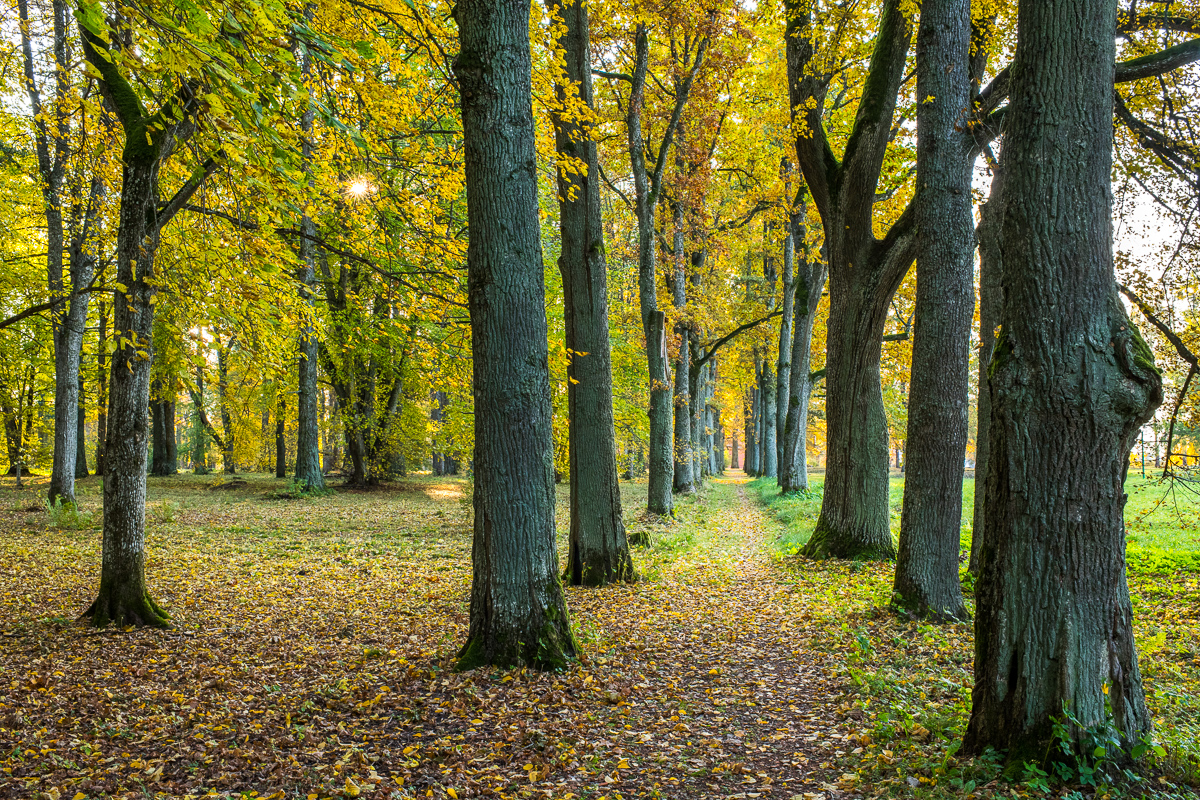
(911, 681)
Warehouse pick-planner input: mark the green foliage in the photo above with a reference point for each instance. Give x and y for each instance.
(67, 516)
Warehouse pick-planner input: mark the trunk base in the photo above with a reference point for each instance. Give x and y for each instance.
(549, 648)
(117, 608)
(828, 541)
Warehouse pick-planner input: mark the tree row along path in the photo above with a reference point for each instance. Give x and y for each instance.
(313, 639)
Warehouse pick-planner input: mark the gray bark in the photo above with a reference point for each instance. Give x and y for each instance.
(783, 368)
(308, 441)
(1071, 383)
(81, 467)
(518, 614)
(598, 549)
(228, 465)
(810, 282)
(863, 275)
(101, 387)
(281, 436)
(926, 581)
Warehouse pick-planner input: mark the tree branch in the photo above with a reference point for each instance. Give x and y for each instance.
(711, 349)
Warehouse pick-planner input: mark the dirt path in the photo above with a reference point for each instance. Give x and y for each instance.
(726, 650)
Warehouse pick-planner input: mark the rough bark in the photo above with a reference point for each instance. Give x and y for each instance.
(81, 467)
(518, 615)
(1072, 381)
(226, 442)
(783, 365)
(991, 217)
(684, 477)
(598, 549)
(810, 282)
(769, 447)
(864, 273)
(102, 387)
(308, 437)
(122, 596)
(281, 436)
(750, 457)
(926, 581)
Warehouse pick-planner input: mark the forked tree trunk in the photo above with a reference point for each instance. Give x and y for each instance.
(1071, 381)
(598, 550)
(863, 275)
(926, 581)
(518, 615)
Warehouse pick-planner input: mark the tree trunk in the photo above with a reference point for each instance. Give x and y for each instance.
(518, 615)
(863, 275)
(749, 408)
(158, 430)
(122, 598)
(599, 551)
(229, 467)
(81, 467)
(926, 581)
(685, 480)
(308, 437)
(810, 282)
(733, 454)
(991, 217)
(102, 388)
(783, 369)
(1072, 382)
(281, 436)
(770, 447)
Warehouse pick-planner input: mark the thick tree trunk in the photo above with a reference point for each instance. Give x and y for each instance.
(991, 217)
(122, 597)
(598, 550)
(1072, 382)
(926, 581)
(863, 275)
(518, 615)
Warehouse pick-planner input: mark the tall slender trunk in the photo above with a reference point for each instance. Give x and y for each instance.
(810, 282)
(199, 433)
(1072, 381)
(783, 368)
(281, 436)
(770, 449)
(750, 407)
(685, 480)
(991, 217)
(518, 614)
(308, 440)
(223, 400)
(926, 581)
(102, 387)
(81, 467)
(598, 549)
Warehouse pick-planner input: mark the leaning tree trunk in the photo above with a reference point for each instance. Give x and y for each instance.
(926, 581)
(1072, 381)
(598, 551)
(518, 614)
(991, 217)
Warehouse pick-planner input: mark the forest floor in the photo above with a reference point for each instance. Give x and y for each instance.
(313, 644)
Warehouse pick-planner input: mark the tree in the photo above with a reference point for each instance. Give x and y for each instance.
(599, 550)
(1071, 382)
(863, 275)
(926, 580)
(518, 614)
